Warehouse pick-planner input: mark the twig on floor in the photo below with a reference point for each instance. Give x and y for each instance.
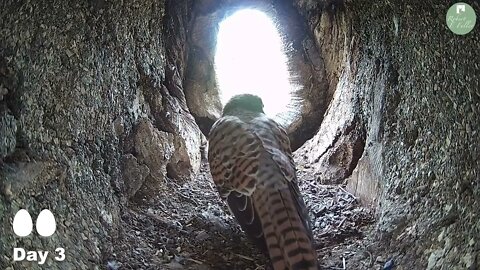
(341, 222)
(195, 261)
(193, 190)
(348, 193)
(323, 234)
(331, 267)
(260, 267)
(370, 256)
(244, 257)
(192, 201)
(318, 186)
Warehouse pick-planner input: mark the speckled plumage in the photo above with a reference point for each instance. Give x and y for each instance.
(252, 166)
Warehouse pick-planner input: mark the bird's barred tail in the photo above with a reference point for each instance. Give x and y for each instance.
(288, 239)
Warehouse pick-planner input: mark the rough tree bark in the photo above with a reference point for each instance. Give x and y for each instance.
(92, 114)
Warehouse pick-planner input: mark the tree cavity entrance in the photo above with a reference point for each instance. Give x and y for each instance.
(250, 58)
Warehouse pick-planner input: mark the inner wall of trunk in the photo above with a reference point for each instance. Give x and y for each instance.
(410, 94)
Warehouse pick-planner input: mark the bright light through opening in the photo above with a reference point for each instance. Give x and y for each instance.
(250, 59)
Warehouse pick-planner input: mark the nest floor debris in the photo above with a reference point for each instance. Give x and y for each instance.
(187, 226)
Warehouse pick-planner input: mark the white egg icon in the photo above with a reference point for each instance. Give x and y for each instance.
(22, 223)
(46, 224)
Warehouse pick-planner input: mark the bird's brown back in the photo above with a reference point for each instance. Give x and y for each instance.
(252, 167)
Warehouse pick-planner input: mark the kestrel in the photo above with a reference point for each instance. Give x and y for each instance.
(251, 164)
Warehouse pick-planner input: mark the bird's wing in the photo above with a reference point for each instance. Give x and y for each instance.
(252, 167)
(285, 219)
(277, 143)
(233, 155)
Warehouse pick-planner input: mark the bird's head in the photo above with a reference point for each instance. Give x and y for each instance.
(243, 102)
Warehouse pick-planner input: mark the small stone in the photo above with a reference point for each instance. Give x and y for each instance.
(389, 265)
(441, 235)
(201, 235)
(175, 265)
(3, 92)
(471, 242)
(468, 129)
(7, 191)
(119, 126)
(320, 211)
(178, 259)
(113, 265)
